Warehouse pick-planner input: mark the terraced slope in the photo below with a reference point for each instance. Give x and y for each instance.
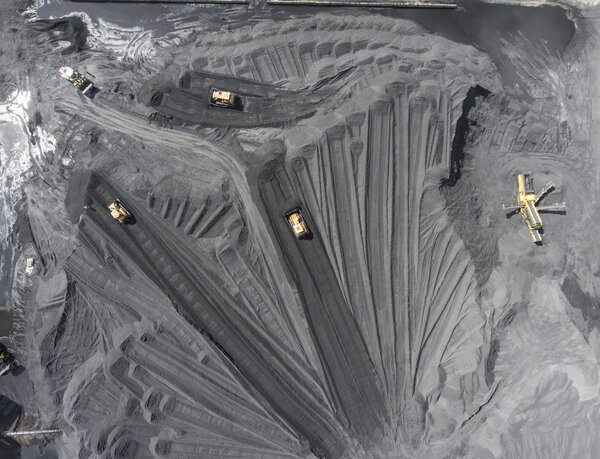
(145, 386)
(371, 187)
(271, 371)
(212, 330)
(349, 373)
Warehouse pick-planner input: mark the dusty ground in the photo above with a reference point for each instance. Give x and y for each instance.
(418, 321)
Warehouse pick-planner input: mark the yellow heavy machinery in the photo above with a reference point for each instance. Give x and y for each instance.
(118, 211)
(30, 265)
(220, 98)
(297, 223)
(7, 361)
(527, 205)
(81, 82)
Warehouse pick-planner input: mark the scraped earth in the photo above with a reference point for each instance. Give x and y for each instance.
(416, 321)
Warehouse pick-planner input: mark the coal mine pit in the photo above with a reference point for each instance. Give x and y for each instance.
(278, 231)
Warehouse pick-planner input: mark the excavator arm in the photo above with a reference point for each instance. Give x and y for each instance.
(510, 208)
(558, 207)
(547, 189)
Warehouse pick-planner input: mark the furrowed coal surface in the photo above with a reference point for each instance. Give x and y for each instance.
(414, 321)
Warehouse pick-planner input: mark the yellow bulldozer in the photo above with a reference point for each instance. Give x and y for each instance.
(118, 211)
(527, 205)
(78, 80)
(221, 98)
(297, 223)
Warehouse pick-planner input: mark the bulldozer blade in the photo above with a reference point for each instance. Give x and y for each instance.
(547, 189)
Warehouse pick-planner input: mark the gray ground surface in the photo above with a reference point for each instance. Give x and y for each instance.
(417, 321)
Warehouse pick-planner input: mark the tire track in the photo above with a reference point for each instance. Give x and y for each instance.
(351, 249)
(350, 374)
(272, 375)
(221, 404)
(379, 180)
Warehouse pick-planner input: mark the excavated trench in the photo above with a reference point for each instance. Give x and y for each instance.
(457, 153)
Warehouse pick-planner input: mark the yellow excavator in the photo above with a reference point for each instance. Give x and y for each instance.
(527, 205)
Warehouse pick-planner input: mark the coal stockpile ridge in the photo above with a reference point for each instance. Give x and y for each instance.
(410, 321)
